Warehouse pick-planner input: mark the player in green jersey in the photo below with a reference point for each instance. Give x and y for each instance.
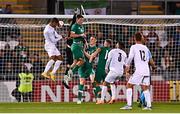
(78, 36)
(86, 70)
(100, 71)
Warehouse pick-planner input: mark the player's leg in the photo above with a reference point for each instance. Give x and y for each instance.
(96, 85)
(145, 87)
(82, 75)
(59, 60)
(52, 58)
(128, 97)
(48, 66)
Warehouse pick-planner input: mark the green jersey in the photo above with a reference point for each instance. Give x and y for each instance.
(78, 29)
(103, 57)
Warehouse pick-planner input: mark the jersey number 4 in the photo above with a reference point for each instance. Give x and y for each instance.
(143, 55)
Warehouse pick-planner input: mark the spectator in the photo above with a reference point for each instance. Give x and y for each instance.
(22, 51)
(8, 60)
(25, 87)
(7, 9)
(176, 48)
(1, 61)
(38, 66)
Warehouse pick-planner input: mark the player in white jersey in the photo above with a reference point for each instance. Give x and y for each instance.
(51, 39)
(114, 69)
(142, 58)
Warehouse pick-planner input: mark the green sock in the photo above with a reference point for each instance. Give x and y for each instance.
(109, 90)
(75, 69)
(80, 91)
(94, 89)
(98, 92)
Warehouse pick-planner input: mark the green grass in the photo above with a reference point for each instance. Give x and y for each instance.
(83, 108)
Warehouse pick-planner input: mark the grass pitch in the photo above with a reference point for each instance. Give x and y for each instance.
(84, 108)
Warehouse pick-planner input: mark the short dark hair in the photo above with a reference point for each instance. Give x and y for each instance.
(79, 16)
(108, 41)
(54, 20)
(138, 36)
(121, 45)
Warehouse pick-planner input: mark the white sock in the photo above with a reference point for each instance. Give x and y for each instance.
(56, 66)
(48, 65)
(129, 96)
(147, 97)
(103, 92)
(113, 90)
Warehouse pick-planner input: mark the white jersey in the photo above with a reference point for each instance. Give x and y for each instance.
(141, 55)
(51, 36)
(116, 61)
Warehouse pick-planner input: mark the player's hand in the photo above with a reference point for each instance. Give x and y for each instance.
(106, 70)
(83, 35)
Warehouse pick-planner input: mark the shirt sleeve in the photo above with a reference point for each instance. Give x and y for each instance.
(149, 55)
(108, 60)
(131, 56)
(73, 28)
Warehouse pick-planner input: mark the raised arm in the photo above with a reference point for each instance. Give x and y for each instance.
(93, 55)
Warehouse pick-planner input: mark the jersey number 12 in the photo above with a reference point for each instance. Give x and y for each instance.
(142, 54)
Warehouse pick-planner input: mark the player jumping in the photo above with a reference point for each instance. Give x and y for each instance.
(51, 39)
(142, 57)
(78, 36)
(114, 68)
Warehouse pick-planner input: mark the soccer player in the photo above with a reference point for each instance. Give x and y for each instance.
(78, 36)
(87, 69)
(100, 71)
(142, 57)
(51, 39)
(115, 65)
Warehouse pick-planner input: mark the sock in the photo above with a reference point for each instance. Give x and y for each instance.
(80, 92)
(109, 90)
(48, 66)
(98, 92)
(147, 97)
(129, 96)
(75, 69)
(94, 89)
(103, 92)
(56, 66)
(113, 90)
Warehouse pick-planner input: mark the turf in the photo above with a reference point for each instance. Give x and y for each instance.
(83, 108)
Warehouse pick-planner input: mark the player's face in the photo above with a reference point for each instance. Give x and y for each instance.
(106, 44)
(92, 40)
(80, 21)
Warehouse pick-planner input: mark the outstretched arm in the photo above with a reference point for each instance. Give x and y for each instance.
(93, 55)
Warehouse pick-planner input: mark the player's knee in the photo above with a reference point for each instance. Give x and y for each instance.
(60, 58)
(129, 85)
(105, 83)
(82, 81)
(53, 58)
(144, 87)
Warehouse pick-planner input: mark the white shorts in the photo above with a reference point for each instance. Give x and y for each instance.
(112, 77)
(52, 50)
(139, 80)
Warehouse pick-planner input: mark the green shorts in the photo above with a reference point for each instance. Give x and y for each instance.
(85, 71)
(100, 75)
(77, 51)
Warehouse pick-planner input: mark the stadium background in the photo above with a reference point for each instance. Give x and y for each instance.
(27, 32)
